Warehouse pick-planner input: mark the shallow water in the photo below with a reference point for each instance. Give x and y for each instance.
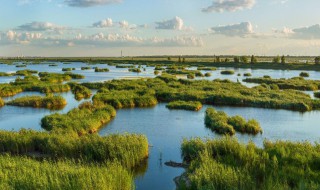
(165, 128)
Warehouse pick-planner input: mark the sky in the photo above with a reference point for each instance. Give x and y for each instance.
(159, 27)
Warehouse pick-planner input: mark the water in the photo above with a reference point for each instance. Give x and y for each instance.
(165, 129)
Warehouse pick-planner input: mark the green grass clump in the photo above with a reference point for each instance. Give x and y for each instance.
(1, 102)
(219, 122)
(19, 66)
(191, 76)
(207, 68)
(26, 173)
(228, 72)
(227, 164)
(68, 69)
(135, 70)
(193, 106)
(53, 65)
(3, 74)
(86, 68)
(129, 149)
(156, 72)
(126, 99)
(101, 70)
(74, 75)
(304, 74)
(207, 74)
(80, 91)
(317, 94)
(9, 90)
(247, 74)
(83, 120)
(25, 72)
(50, 102)
(54, 77)
(296, 83)
(125, 66)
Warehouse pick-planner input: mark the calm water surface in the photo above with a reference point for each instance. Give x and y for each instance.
(165, 129)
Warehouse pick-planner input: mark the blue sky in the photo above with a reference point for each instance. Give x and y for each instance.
(159, 27)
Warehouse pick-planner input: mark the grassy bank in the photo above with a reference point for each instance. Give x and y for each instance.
(85, 119)
(167, 88)
(183, 105)
(80, 91)
(221, 123)
(26, 173)
(126, 98)
(129, 150)
(227, 164)
(296, 83)
(50, 102)
(1, 102)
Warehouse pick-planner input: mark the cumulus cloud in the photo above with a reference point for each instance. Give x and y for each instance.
(308, 32)
(172, 24)
(99, 39)
(124, 24)
(242, 29)
(229, 5)
(40, 26)
(103, 23)
(89, 3)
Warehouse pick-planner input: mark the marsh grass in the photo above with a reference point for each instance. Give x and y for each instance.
(219, 122)
(49, 101)
(127, 149)
(227, 164)
(80, 91)
(83, 120)
(228, 72)
(296, 83)
(101, 70)
(135, 70)
(24, 173)
(191, 105)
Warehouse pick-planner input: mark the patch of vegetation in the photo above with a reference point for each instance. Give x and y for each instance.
(207, 68)
(304, 74)
(85, 119)
(126, 98)
(50, 102)
(101, 70)
(247, 74)
(25, 72)
(219, 122)
(1, 102)
(191, 105)
(317, 94)
(80, 91)
(68, 69)
(125, 66)
(207, 75)
(19, 66)
(86, 68)
(129, 150)
(228, 72)
(26, 173)
(135, 70)
(156, 72)
(296, 83)
(227, 164)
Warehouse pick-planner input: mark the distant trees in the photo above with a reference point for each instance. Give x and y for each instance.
(253, 59)
(276, 59)
(236, 59)
(226, 60)
(217, 59)
(283, 59)
(317, 60)
(244, 59)
(169, 58)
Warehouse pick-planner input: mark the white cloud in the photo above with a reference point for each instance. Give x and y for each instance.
(307, 33)
(124, 24)
(172, 24)
(40, 26)
(229, 5)
(90, 3)
(242, 29)
(103, 23)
